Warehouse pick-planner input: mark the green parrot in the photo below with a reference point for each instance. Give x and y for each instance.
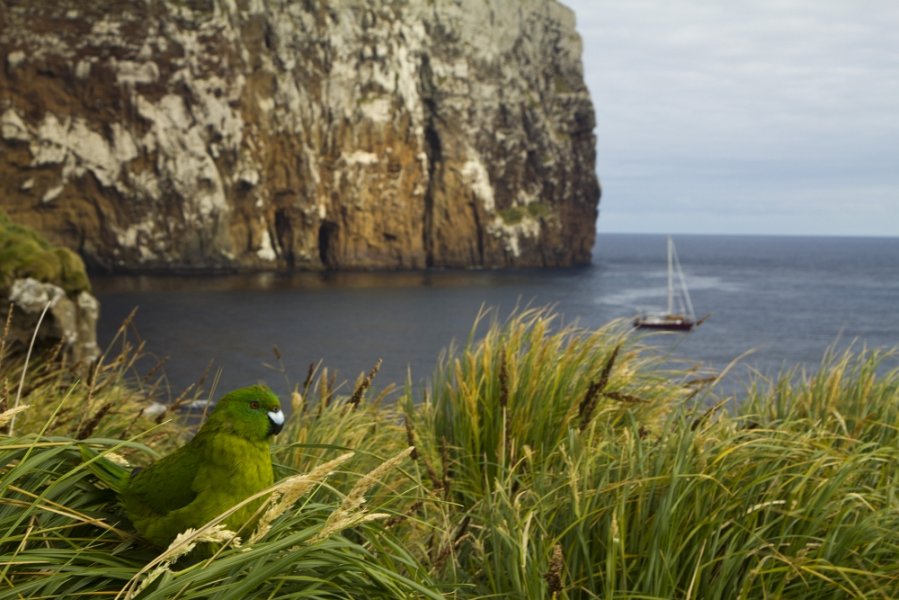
(228, 460)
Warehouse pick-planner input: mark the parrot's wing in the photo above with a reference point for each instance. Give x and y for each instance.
(162, 529)
(164, 486)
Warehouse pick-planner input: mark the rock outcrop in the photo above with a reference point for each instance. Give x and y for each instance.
(70, 322)
(273, 134)
(48, 293)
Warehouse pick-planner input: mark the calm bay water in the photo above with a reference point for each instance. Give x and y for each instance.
(785, 298)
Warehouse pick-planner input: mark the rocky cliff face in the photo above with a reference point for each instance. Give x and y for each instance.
(271, 134)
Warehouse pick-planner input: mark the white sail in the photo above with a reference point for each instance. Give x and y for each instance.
(686, 304)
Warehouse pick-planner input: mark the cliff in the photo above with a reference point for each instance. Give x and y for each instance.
(273, 134)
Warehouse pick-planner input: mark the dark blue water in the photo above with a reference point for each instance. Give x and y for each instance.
(785, 298)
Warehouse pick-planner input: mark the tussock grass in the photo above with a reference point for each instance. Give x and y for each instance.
(542, 461)
(567, 462)
(61, 535)
(320, 535)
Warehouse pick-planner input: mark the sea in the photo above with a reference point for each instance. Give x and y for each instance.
(773, 304)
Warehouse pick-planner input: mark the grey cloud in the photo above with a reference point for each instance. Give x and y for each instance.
(766, 97)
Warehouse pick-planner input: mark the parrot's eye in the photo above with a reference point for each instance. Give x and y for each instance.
(254, 405)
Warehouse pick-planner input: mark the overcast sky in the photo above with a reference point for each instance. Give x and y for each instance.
(745, 116)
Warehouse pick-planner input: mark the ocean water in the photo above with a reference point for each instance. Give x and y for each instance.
(783, 299)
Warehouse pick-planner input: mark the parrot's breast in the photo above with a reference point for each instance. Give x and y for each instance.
(236, 468)
(241, 467)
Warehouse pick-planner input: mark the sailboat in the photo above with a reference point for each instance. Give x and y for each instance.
(680, 315)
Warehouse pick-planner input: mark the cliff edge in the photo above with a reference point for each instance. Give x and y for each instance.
(278, 134)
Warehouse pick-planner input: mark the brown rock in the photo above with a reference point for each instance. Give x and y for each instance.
(278, 134)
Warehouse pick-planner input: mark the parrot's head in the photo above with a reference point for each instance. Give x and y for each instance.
(252, 412)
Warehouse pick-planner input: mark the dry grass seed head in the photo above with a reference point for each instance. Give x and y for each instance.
(290, 490)
(349, 513)
(297, 403)
(7, 415)
(356, 497)
(553, 575)
(183, 544)
(364, 384)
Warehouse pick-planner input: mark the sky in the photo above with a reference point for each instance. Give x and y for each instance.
(745, 116)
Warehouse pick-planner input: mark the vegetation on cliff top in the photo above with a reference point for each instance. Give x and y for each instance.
(548, 462)
(26, 253)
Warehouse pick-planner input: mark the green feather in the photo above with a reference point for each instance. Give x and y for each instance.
(228, 460)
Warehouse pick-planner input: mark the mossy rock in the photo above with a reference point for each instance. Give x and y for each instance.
(26, 253)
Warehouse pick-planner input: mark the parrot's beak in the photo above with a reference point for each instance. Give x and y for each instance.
(275, 422)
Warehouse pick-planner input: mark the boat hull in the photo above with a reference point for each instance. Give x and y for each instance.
(665, 322)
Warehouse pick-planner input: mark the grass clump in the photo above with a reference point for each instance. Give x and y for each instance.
(323, 532)
(61, 535)
(542, 461)
(566, 462)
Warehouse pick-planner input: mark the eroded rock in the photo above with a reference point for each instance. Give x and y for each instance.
(71, 322)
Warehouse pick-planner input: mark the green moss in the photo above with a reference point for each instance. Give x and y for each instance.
(537, 210)
(512, 215)
(516, 214)
(25, 253)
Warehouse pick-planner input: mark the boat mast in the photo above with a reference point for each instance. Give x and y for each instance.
(670, 276)
(688, 303)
